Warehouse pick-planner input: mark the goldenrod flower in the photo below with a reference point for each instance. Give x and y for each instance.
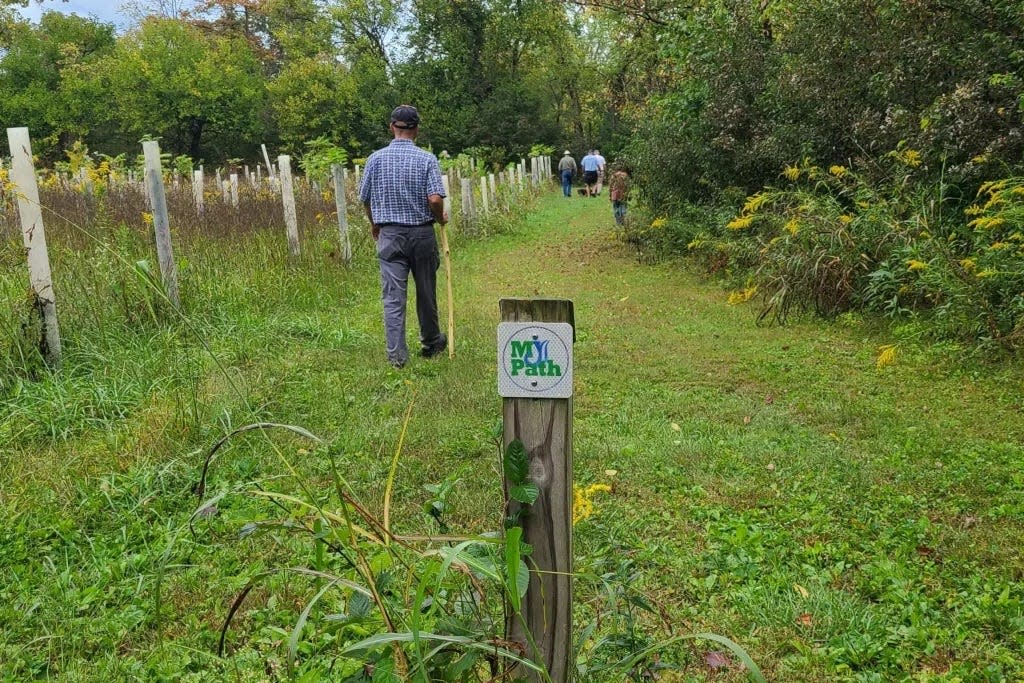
(755, 202)
(914, 264)
(742, 295)
(791, 173)
(659, 223)
(792, 226)
(968, 264)
(886, 356)
(740, 222)
(837, 171)
(147, 218)
(910, 157)
(583, 500)
(987, 273)
(846, 219)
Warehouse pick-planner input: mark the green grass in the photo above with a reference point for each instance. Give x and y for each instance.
(839, 521)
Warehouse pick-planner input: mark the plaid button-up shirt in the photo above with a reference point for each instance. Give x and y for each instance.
(397, 182)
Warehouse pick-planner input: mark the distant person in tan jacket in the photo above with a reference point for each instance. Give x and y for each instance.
(567, 169)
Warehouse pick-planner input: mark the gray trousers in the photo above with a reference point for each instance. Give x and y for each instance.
(402, 250)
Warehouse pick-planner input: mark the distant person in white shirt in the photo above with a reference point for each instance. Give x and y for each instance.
(601, 163)
(591, 165)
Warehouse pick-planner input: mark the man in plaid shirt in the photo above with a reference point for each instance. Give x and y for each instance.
(403, 195)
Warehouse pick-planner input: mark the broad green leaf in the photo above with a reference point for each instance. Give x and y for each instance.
(525, 493)
(517, 463)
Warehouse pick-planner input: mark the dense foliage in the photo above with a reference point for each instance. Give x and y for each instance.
(866, 137)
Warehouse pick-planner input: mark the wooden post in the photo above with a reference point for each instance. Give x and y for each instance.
(161, 223)
(266, 158)
(291, 221)
(340, 203)
(544, 426)
(197, 192)
(494, 189)
(484, 201)
(23, 175)
(468, 212)
(446, 253)
(233, 187)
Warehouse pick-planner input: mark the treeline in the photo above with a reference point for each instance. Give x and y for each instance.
(216, 82)
(838, 155)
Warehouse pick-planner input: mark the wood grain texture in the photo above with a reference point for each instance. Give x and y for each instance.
(545, 428)
(291, 221)
(161, 222)
(26, 190)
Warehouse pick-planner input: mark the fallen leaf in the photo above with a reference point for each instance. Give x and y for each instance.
(676, 428)
(746, 419)
(623, 299)
(716, 660)
(801, 591)
(771, 467)
(611, 473)
(805, 619)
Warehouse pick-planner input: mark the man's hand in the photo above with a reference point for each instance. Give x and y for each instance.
(375, 231)
(444, 218)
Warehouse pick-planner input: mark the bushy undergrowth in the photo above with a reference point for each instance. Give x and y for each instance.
(872, 237)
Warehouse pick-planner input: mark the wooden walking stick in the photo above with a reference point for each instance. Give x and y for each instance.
(448, 267)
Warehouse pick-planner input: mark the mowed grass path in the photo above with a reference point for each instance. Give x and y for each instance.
(842, 522)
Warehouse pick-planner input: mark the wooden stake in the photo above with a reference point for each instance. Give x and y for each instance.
(197, 192)
(544, 426)
(484, 202)
(23, 175)
(266, 158)
(448, 266)
(233, 187)
(340, 203)
(291, 221)
(161, 223)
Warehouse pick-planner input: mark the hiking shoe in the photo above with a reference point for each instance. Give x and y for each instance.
(396, 364)
(431, 351)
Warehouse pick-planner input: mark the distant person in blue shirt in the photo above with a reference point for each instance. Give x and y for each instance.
(591, 165)
(403, 195)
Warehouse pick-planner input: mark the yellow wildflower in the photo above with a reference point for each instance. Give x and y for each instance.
(147, 218)
(837, 171)
(973, 210)
(742, 295)
(659, 223)
(914, 264)
(987, 273)
(986, 223)
(793, 226)
(969, 264)
(792, 173)
(583, 500)
(910, 157)
(755, 202)
(846, 219)
(993, 186)
(886, 356)
(740, 222)
(695, 244)
(997, 246)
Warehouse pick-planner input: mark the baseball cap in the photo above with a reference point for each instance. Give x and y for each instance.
(567, 152)
(405, 116)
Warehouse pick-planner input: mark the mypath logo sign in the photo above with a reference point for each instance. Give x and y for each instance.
(530, 357)
(535, 360)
